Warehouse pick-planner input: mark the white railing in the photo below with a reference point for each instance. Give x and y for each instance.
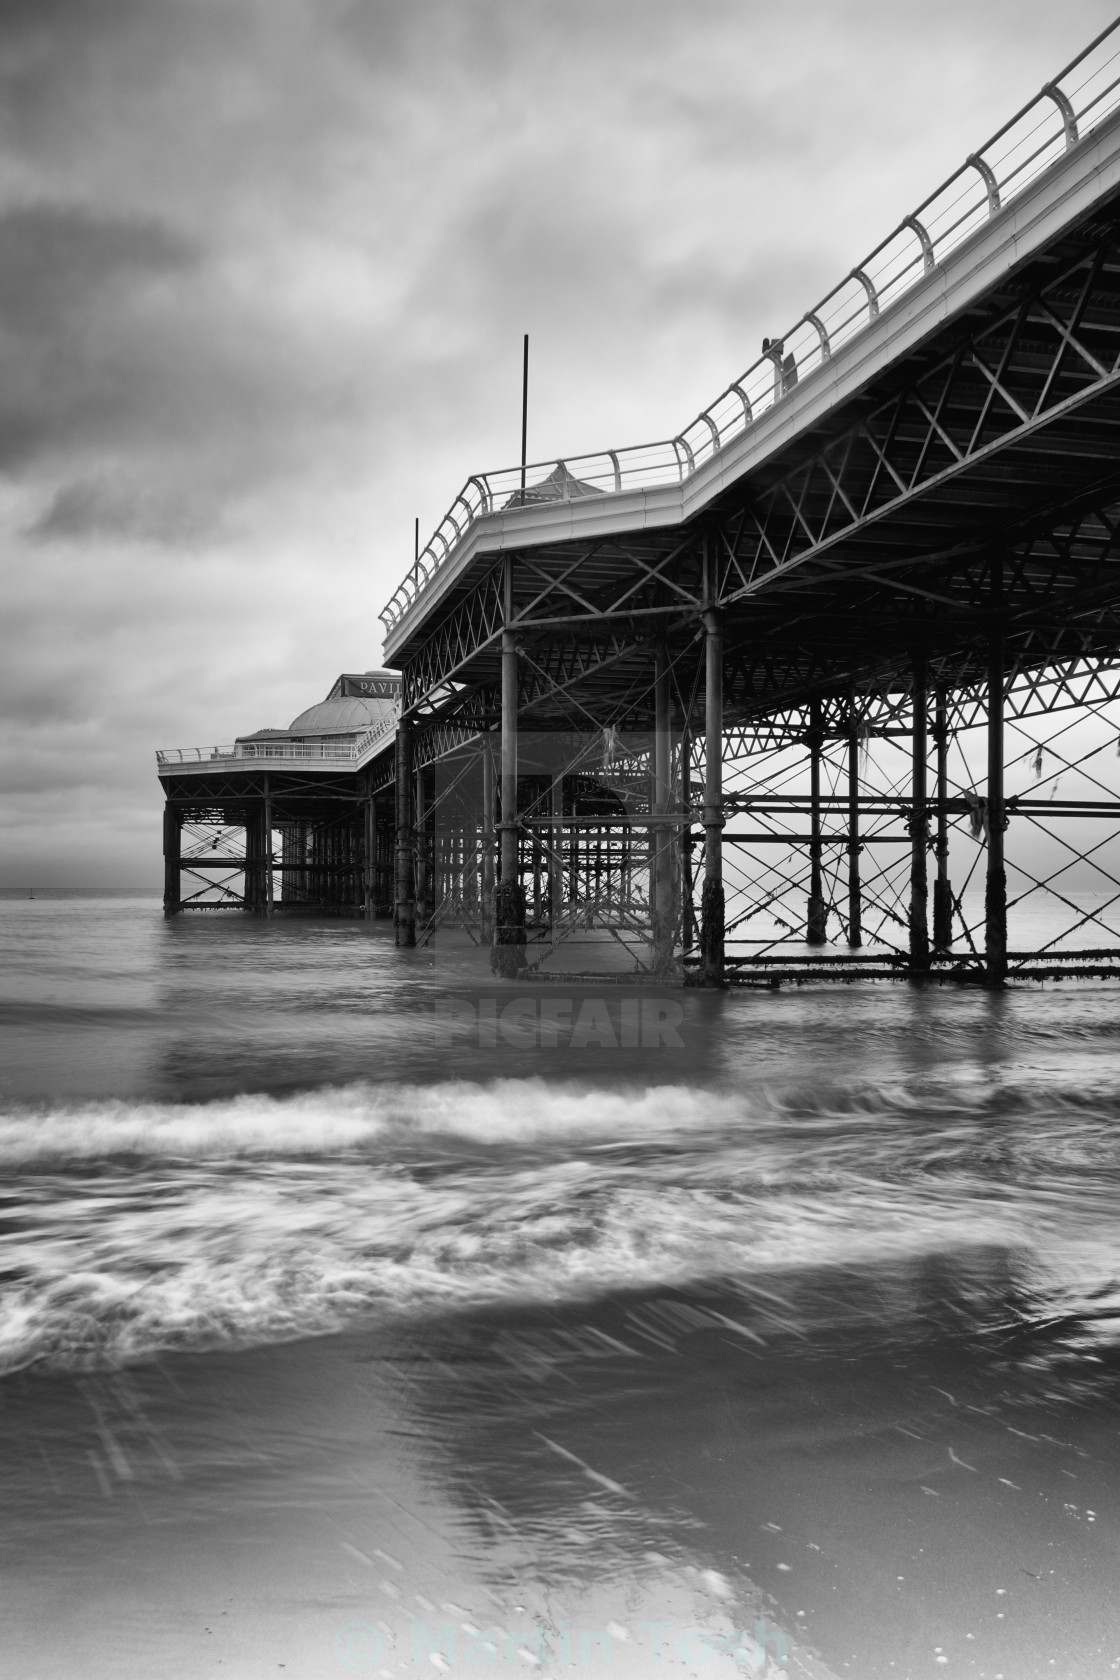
(301, 752)
(1067, 109)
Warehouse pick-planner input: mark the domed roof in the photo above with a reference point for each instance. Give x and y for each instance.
(349, 716)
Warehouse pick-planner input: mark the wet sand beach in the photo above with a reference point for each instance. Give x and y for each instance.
(332, 1343)
(675, 1481)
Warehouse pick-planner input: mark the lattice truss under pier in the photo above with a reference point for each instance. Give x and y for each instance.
(1062, 836)
(587, 837)
(212, 863)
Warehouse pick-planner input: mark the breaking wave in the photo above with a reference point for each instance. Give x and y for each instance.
(127, 1229)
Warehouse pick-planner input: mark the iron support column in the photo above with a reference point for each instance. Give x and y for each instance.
(507, 956)
(509, 758)
(942, 890)
(919, 820)
(266, 852)
(662, 847)
(556, 852)
(486, 882)
(172, 858)
(816, 931)
(405, 897)
(995, 895)
(712, 917)
(855, 894)
(369, 857)
(255, 844)
(688, 907)
(423, 867)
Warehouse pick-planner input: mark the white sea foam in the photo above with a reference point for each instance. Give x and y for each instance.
(136, 1228)
(334, 1119)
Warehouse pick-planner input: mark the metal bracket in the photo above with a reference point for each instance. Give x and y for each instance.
(928, 258)
(748, 412)
(1069, 117)
(679, 444)
(822, 333)
(872, 294)
(991, 185)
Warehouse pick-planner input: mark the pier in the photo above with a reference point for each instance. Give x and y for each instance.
(827, 686)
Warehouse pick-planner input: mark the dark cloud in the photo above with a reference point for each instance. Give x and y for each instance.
(264, 268)
(92, 511)
(66, 275)
(58, 260)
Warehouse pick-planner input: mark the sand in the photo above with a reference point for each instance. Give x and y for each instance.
(664, 1485)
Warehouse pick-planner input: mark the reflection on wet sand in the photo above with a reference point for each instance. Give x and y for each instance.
(868, 1470)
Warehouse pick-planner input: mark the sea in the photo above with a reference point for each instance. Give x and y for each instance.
(810, 1296)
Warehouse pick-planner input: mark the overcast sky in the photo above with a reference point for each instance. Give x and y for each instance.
(264, 270)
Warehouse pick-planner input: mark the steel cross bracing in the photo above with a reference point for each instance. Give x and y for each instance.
(1007, 426)
(1040, 152)
(1062, 833)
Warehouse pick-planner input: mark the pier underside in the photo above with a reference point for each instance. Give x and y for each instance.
(852, 711)
(864, 706)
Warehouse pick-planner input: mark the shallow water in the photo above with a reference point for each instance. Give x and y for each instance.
(226, 1131)
(222, 1134)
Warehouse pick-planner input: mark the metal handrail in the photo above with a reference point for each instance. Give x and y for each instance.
(302, 752)
(1055, 121)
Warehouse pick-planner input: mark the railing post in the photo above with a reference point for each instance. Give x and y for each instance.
(405, 908)
(172, 858)
(919, 820)
(995, 893)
